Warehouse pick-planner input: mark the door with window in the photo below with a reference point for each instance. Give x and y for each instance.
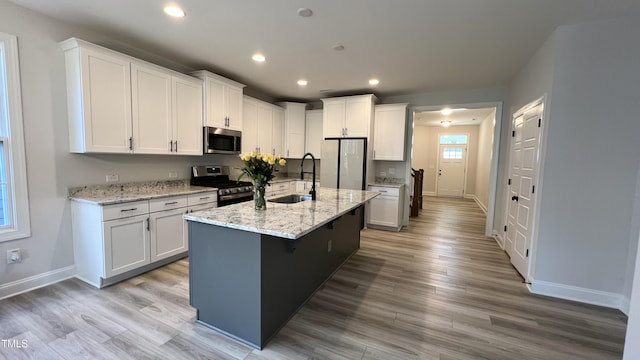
(452, 165)
(523, 170)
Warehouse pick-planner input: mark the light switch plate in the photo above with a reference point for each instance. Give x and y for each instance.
(112, 177)
(173, 174)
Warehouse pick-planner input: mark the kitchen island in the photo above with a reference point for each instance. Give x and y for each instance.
(249, 271)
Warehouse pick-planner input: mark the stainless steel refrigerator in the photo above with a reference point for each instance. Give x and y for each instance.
(344, 163)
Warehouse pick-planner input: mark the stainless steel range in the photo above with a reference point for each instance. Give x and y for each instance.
(217, 176)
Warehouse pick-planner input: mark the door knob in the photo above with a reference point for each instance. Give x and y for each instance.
(515, 197)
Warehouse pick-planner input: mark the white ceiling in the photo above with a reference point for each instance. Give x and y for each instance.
(458, 117)
(410, 45)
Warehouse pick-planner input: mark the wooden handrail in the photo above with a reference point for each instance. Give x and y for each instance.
(416, 196)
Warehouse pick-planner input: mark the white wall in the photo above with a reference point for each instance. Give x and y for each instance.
(591, 165)
(51, 169)
(485, 154)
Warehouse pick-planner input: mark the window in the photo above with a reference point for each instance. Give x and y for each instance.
(452, 153)
(453, 139)
(14, 202)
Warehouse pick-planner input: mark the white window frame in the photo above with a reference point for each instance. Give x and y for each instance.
(11, 132)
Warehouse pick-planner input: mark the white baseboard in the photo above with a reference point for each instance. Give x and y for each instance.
(499, 240)
(469, 196)
(37, 281)
(428, 193)
(584, 295)
(625, 305)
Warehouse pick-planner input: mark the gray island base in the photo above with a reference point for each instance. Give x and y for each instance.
(247, 282)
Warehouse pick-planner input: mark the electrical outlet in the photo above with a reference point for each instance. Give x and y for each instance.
(112, 177)
(173, 174)
(392, 171)
(14, 256)
(329, 246)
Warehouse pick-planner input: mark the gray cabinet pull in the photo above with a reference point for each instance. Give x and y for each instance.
(132, 209)
(205, 198)
(170, 203)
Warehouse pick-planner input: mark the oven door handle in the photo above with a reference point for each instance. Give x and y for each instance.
(247, 195)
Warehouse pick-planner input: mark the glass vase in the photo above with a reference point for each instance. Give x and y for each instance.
(258, 196)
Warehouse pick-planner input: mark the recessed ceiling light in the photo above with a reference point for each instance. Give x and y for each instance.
(446, 112)
(305, 12)
(258, 58)
(174, 11)
(302, 82)
(337, 47)
(445, 123)
(374, 82)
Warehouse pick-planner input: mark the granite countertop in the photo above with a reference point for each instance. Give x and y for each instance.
(127, 192)
(289, 221)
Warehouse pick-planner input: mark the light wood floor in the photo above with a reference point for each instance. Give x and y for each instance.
(437, 290)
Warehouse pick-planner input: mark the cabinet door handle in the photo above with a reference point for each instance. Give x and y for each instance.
(374, 154)
(148, 224)
(171, 146)
(170, 203)
(205, 198)
(132, 209)
(130, 143)
(287, 152)
(382, 191)
(176, 142)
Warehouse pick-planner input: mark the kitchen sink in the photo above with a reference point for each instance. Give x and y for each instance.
(290, 199)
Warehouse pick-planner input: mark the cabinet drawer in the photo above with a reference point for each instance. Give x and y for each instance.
(281, 186)
(128, 209)
(167, 203)
(202, 198)
(388, 191)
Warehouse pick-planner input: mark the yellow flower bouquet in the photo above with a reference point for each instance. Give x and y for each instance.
(260, 168)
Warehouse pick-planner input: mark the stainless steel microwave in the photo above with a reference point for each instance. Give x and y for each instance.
(221, 141)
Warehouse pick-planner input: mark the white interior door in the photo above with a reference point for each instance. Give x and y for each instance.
(524, 165)
(452, 162)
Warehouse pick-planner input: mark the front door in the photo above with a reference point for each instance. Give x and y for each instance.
(527, 123)
(451, 170)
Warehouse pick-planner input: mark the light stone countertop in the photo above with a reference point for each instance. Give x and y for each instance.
(127, 192)
(289, 221)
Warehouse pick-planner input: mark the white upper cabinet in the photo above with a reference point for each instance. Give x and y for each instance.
(222, 101)
(98, 98)
(349, 116)
(313, 138)
(294, 129)
(151, 105)
(119, 104)
(187, 115)
(389, 132)
(277, 131)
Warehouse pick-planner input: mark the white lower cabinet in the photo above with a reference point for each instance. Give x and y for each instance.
(114, 242)
(126, 244)
(278, 189)
(385, 210)
(166, 227)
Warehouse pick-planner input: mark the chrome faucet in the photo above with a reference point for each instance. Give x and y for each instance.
(302, 172)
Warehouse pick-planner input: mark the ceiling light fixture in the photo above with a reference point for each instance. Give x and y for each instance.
(445, 123)
(174, 11)
(305, 12)
(338, 47)
(446, 111)
(302, 82)
(374, 82)
(258, 58)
